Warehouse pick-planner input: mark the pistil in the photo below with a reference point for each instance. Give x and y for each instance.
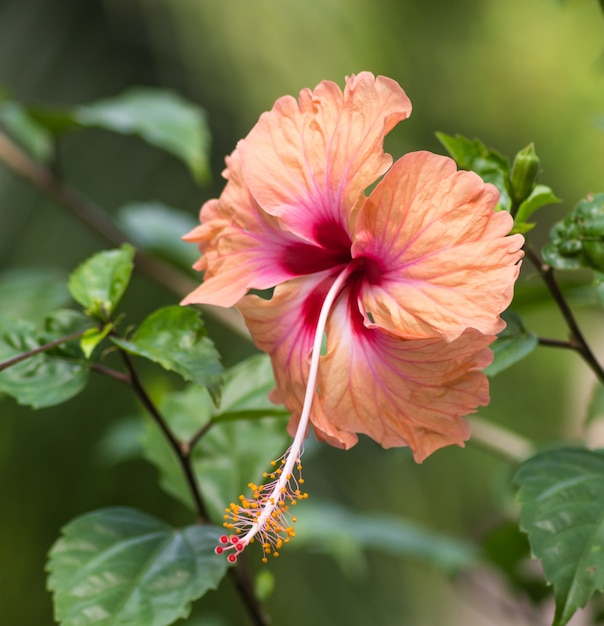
(266, 515)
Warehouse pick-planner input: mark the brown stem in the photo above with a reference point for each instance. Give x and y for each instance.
(47, 346)
(96, 219)
(557, 343)
(107, 371)
(242, 579)
(547, 274)
(183, 459)
(194, 440)
(239, 574)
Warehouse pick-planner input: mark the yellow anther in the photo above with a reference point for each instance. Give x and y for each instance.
(275, 554)
(264, 559)
(273, 463)
(294, 519)
(301, 481)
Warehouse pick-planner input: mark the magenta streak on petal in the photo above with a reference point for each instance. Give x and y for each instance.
(376, 346)
(311, 308)
(355, 314)
(332, 250)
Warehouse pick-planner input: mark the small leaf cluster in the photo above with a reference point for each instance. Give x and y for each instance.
(519, 194)
(577, 241)
(561, 490)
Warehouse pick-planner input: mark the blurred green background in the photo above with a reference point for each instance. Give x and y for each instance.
(508, 72)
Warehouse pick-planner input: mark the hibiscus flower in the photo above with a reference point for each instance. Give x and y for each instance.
(384, 303)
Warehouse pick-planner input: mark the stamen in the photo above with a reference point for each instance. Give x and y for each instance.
(266, 514)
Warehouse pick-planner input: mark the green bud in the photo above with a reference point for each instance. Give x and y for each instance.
(524, 173)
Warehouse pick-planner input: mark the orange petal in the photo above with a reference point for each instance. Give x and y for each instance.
(285, 328)
(309, 161)
(242, 247)
(401, 392)
(440, 258)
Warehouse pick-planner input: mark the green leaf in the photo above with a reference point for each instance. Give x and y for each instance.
(246, 389)
(230, 455)
(54, 120)
(32, 293)
(62, 323)
(578, 240)
(26, 130)
(176, 338)
(562, 510)
(161, 117)
(337, 531)
(492, 167)
(43, 380)
(540, 196)
(120, 567)
(185, 412)
(513, 343)
(207, 619)
(99, 283)
(93, 337)
(158, 229)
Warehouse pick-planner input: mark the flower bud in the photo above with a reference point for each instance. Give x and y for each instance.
(524, 173)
